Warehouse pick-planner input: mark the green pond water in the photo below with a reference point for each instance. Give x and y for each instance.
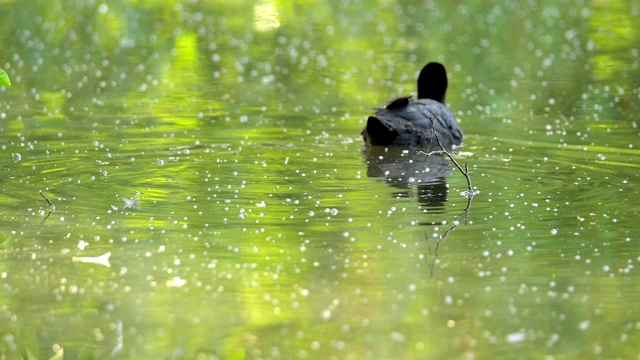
(211, 197)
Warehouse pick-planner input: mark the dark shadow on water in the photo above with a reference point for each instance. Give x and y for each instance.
(412, 174)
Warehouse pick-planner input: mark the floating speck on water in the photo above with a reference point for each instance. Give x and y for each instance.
(176, 282)
(451, 323)
(131, 203)
(101, 260)
(584, 325)
(396, 336)
(515, 338)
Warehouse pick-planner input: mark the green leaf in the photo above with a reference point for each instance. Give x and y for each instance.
(4, 79)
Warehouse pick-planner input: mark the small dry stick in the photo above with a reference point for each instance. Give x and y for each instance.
(470, 193)
(48, 201)
(53, 207)
(433, 255)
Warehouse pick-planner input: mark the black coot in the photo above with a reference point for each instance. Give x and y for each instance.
(406, 121)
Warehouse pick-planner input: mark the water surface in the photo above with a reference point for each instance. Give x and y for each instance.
(213, 198)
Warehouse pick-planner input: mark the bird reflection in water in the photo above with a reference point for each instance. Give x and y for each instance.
(406, 169)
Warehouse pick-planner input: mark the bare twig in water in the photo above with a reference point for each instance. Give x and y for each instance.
(433, 254)
(469, 193)
(53, 207)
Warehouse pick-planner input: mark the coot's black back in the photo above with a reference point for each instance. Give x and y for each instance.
(407, 121)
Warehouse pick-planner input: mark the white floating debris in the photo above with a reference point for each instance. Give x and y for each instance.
(120, 342)
(101, 260)
(584, 325)
(397, 337)
(515, 338)
(133, 203)
(326, 314)
(176, 282)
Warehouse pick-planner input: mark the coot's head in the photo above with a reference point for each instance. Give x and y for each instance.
(432, 82)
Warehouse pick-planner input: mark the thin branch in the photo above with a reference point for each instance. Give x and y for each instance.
(470, 193)
(53, 207)
(48, 201)
(433, 254)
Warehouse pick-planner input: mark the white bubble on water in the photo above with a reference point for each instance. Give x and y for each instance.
(584, 325)
(396, 336)
(326, 314)
(515, 338)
